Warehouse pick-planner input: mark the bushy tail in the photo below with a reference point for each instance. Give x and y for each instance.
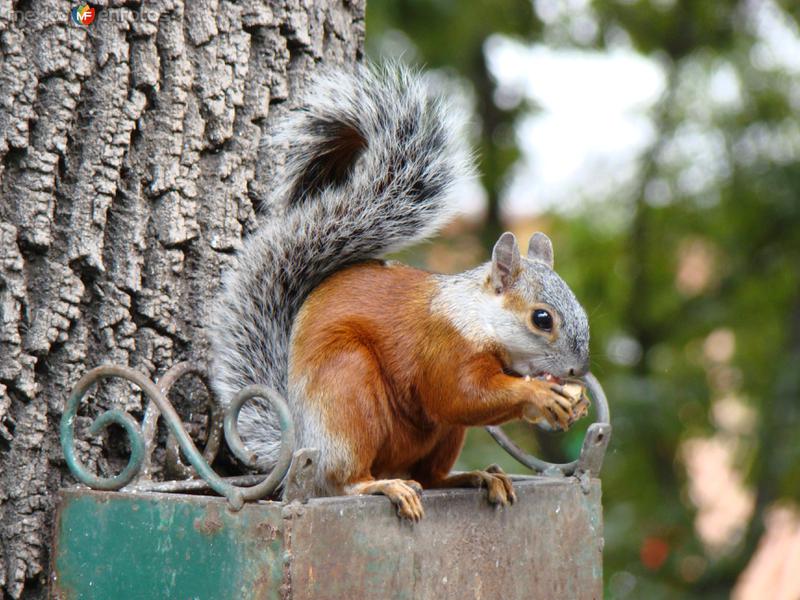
(372, 161)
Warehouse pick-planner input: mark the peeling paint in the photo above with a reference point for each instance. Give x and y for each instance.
(547, 545)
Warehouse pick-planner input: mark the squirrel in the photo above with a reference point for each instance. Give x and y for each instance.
(384, 366)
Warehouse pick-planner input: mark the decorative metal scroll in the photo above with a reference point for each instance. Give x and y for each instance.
(136, 474)
(594, 445)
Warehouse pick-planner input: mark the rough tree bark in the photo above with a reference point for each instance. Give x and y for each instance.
(132, 161)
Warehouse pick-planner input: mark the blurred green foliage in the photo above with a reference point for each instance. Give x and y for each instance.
(716, 266)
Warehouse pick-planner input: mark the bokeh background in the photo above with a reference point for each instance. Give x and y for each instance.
(657, 143)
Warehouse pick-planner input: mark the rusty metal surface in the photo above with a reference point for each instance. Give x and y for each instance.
(548, 545)
(299, 482)
(155, 545)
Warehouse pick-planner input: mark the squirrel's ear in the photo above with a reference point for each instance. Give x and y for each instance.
(505, 262)
(541, 248)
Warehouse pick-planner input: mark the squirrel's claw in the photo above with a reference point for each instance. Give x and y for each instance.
(407, 499)
(405, 494)
(563, 398)
(556, 405)
(566, 416)
(581, 408)
(414, 485)
(508, 488)
(499, 488)
(409, 507)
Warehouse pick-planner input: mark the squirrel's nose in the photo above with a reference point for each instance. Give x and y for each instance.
(580, 370)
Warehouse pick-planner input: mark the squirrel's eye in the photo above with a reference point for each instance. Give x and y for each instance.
(542, 319)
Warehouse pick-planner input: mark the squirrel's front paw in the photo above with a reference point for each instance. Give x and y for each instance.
(555, 404)
(580, 401)
(405, 495)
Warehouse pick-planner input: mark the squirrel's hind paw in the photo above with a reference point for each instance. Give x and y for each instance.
(405, 494)
(501, 490)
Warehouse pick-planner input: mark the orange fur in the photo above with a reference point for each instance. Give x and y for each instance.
(395, 383)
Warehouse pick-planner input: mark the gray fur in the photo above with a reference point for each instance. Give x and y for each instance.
(541, 248)
(371, 164)
(505, 261)
(478, 311)
(570, 350)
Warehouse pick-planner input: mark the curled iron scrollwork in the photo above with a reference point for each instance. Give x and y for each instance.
(199, 475)
(135, 475)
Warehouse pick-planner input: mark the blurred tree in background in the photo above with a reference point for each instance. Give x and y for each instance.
(689, 267)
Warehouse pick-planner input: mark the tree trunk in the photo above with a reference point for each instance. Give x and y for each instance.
(132, 161)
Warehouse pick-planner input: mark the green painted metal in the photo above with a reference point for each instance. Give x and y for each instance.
(236, 495)
(236, 445)
(121, 418)
(142, 438)
(152, 546)
(547, 545)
